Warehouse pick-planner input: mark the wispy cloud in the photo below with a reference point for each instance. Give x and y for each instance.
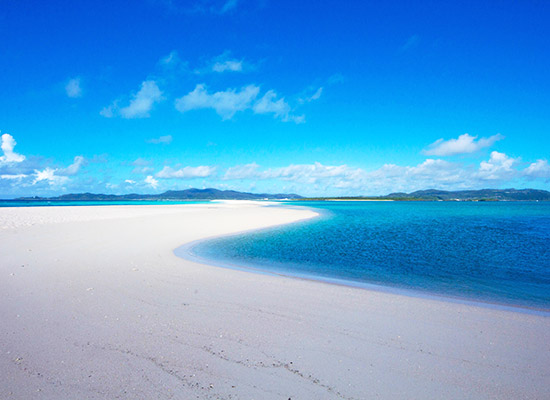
(225, 62)
(411, 43)
(228, 65)
(229, 5)
(304, 173)
(465, 144)
(186, 172)
(227, 103)
(269, 104)
(73, 168)
(315, 96)
(499, 169)
(170, 59)
(246, 171)
(167, 139)
(141, 104)
(73, 89)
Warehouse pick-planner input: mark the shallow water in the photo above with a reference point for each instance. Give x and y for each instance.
(496, 252)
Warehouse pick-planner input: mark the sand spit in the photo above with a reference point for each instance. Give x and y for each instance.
(95, 305)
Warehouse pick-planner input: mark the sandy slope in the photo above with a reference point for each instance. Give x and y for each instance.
(95, 305)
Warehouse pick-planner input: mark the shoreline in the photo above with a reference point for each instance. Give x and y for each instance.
(185, 251)
(95, 304)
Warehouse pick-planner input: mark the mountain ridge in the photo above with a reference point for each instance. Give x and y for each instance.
(187, 194)
(216, 194)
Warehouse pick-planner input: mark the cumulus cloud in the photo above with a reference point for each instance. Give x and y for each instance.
(186, 172)
(7, 146)
(141, 104)
(538, 169)
(463, 145)
(73, 89)
(152, 182)
(49, 175)
(498, 167)
(167, 139)
(225, 103)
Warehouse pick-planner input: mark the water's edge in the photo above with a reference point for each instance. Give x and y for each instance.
(186, 252)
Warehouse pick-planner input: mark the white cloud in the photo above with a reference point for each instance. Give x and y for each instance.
(167, 139)
(316, 173)
(73, 168)
(8, 144)
(151, 181)
(313, 97)
(311, 173)
(268, 104)
(49, 175)
(73, 89)
(463, 145)
(316, 95)
(280, 108)
(228, 65)
(538, 169)
(186, 172)
(225, 103)
(17, 177)
(499, 167)
(143, 101)
(130, 182)
(141, 104)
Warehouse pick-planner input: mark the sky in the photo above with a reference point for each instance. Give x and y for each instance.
(318, 98)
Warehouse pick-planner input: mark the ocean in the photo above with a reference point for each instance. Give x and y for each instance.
(489, 252)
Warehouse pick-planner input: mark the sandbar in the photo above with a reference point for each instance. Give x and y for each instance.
(95, 305)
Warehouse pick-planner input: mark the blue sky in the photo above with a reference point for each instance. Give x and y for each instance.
(315, 98)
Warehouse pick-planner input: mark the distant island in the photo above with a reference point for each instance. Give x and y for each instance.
(187, 194)
(215, 194)
(460, 195)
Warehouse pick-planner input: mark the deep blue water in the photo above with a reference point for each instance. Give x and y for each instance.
(54, 203)
(496, 252)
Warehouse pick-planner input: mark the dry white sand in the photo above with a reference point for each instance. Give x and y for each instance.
(95, 305)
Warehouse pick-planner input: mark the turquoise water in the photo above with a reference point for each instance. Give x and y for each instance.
(495, 252)
(53, 203)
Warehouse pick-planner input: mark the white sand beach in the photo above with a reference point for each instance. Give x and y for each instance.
(95, 305)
